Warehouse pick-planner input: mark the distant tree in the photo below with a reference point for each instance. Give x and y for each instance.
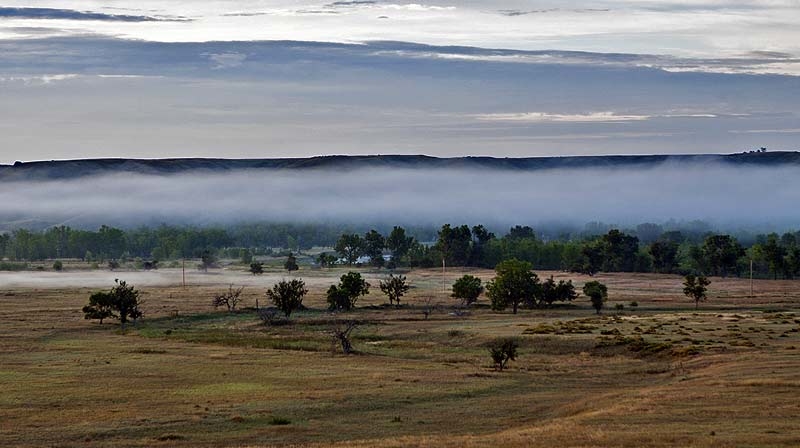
(480, 240)
(121, 303)
(502, 351)
(696, 287)
(773, 254)
(229, 299)
(150, 265)
(345, 295)
(399, 243)
(513, 284)
(520, 233)
(454, 244)
(245, 256)
(374, 243)
(207, 260)
(291, 263)
(619, 251)
(597, 293)
(256, 268)
(58, 266)
(394, 288)
(665, 255)
(467, 289)
(591, 260)
(721, 254)
(288, 295)
(326, 260)
(350, 247)
(563, 291)
(113, 265)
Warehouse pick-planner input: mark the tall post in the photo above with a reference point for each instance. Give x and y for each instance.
(444, 279)
(751, 277)
(184, 273)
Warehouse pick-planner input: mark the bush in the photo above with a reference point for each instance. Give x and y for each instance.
(58, 266)
(502, 351)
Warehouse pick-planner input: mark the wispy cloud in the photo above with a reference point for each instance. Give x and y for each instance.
(544, 117)
(71, 14)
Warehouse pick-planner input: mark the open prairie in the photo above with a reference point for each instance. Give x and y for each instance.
(657, 374)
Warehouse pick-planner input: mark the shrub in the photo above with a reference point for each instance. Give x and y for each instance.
(502, 351)
(58, 266)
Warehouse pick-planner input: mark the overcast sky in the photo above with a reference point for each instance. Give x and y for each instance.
(236, 78)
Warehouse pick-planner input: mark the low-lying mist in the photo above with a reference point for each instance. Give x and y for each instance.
(724, 195)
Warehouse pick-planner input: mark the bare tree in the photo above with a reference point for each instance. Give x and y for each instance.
(340, 335)
(230, 299)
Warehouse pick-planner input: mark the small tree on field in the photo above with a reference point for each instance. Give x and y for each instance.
(557, 292)
(291, 263)
(122, 303)
(288, 296)
(597, 293)
(113, 265)
(340, 335)
(467, 289)
(207, 260)
(344, 295)
(502, 351)
(326, 260)
(101, 306)
(229, 299)
(696, 287)
(514, 284)
(395, 288)
(257, 268)
(350, 247)
(58, 266)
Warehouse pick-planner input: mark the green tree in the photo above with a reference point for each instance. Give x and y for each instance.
(467, 289)
(121, 303)
(665, 255)
(399, 244)
(58, 266)
(350, 247)
(207, 260)
(502, 351)
(696, 288)
(245, 256)
(721, 254)
(291, 263)
(395, 288)
(597, 293)
(563, 291)
(454, 244)
(288, 295)
(373, 247)
(513, 284)
(345, 295)
(257, 268)
(619, 251)
(773, 254)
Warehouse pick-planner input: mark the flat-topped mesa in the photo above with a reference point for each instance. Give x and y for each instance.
(70, 169)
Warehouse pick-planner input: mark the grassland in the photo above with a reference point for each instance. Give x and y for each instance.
(658, 374)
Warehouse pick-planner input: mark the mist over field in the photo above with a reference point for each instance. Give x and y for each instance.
(722, 195)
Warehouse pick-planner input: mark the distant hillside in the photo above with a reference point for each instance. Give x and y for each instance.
(70, 169)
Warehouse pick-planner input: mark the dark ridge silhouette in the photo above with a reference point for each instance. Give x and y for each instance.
(72, 169)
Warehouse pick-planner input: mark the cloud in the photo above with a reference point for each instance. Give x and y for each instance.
(543, 117)
(71, 14)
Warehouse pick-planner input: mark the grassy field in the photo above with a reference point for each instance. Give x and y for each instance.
(658, 374)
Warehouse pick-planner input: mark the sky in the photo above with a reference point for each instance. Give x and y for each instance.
(504, 78)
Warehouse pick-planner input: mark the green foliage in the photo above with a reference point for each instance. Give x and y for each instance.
(513, 284)
(257, 268)
(696, 288)
(719, 255)
(597, 293)
(399, 244)
(502, 351)
(245, 256)
(326, 260)
(58, 266)
(455, 244)
(373, 247)
(291, 263)
(288, 295)
(563, 291)
(665, 256)
(467, 289)
(394, 288)
(343, 297)
(350, 247)
(122, 303)
(207, 260)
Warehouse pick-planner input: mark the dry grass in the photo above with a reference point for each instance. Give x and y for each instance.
(662, 375)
